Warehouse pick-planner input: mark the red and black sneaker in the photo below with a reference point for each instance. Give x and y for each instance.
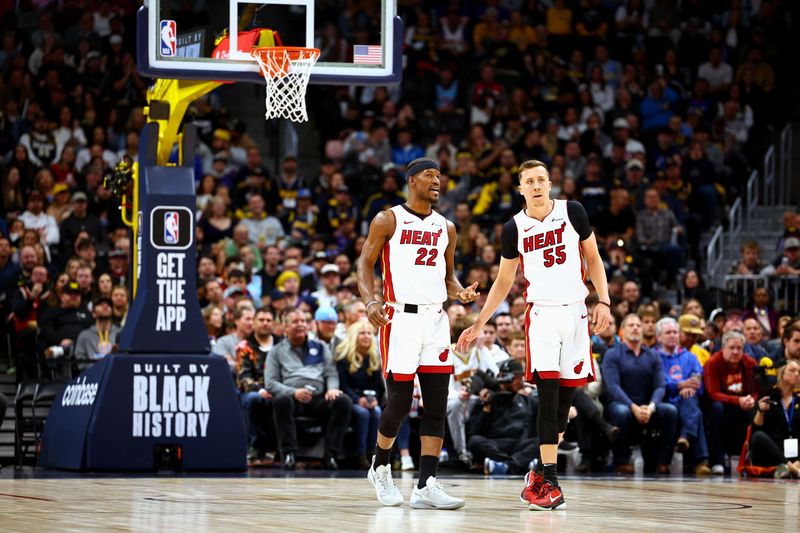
(549, 498)
(533, 484)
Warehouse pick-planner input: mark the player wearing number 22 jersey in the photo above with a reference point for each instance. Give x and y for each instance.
(416, 246)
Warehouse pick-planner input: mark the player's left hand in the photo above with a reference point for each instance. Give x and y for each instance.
(469, 294)
(601, 318)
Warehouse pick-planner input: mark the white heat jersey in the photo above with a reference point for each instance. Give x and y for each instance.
(413, 261)
(550, 253)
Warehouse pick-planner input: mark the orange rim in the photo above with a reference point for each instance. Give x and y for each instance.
(277, 59)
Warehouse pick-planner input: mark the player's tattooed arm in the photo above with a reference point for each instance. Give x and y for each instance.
(454, 289)
(380, 231)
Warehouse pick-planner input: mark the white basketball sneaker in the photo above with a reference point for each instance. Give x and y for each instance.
(385, 489)
(433, 496)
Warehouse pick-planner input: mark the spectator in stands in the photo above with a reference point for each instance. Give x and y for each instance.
(694, 287)
(79, 220)
(469, 374)
(35, 218)
(776, 422)
(649, 318)
(326, 319)
(329, 282)
(634, 377)
(631, 294)
(731, 387)
(776, 345)
(27, 303)
(788, 263)
(718, 73)
(302, 377)
(683, 377)
(750, 263)
(655, 227)
(99, 340)
(690, 332)
(488, 339)
(503, 426)
(251, 355)
(617, 221)
(119, 300)
(359, 365)
(504, 326)
(762, 311)
(753, 339)
(608, 338)
(262, 229)
(60, 326)
(243, 319)
(791, 342)
(387, 197)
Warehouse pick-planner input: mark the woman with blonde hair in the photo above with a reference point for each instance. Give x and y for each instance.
(777, 420)
(359, 366)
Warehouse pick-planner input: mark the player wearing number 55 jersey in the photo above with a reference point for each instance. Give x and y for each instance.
(552, 242)
(416, 246)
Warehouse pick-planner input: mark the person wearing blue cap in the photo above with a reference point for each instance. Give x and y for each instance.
(326, 321)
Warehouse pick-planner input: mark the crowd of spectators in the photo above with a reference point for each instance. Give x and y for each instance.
(649, 112)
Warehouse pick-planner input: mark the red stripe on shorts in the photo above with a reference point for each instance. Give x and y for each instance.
(593, 376)
(573, 382)
(550, 375)
(528, 373)
(388, 287)
(434, 369)
(387, 330)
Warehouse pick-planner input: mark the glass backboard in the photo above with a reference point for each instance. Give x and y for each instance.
(360, 40)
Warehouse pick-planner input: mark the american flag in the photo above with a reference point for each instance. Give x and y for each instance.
(367, 54)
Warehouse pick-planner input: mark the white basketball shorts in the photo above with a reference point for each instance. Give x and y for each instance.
(415, 342)
(558, 344)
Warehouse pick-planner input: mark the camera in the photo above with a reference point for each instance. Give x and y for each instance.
(369, 394)
(311, 388)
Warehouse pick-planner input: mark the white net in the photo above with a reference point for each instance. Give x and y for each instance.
(287, 70)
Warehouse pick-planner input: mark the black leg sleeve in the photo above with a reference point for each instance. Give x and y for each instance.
(434, 398)
(398, 403)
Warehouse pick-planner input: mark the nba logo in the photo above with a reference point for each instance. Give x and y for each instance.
(168, 38)
(171, 227)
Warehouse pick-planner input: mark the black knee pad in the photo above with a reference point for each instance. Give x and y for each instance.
(434, 398)
(398, 403)
(554, 404)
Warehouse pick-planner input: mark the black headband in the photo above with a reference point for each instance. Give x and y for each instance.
(419, 166)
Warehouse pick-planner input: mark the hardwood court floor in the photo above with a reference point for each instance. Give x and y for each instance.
(347, 504)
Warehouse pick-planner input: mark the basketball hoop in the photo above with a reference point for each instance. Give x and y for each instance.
(287, 70)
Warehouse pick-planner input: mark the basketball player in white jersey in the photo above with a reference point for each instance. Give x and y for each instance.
(417, 247)
(550, 239)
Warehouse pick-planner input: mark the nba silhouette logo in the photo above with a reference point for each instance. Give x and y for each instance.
(171, 227)
(168, 38)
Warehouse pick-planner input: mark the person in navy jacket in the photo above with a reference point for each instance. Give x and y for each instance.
(634, 378)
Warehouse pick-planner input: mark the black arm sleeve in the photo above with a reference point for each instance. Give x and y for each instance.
(579, 219)
(508, 240)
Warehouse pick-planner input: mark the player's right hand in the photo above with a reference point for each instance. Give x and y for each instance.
(376, 314)
(467, 337)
